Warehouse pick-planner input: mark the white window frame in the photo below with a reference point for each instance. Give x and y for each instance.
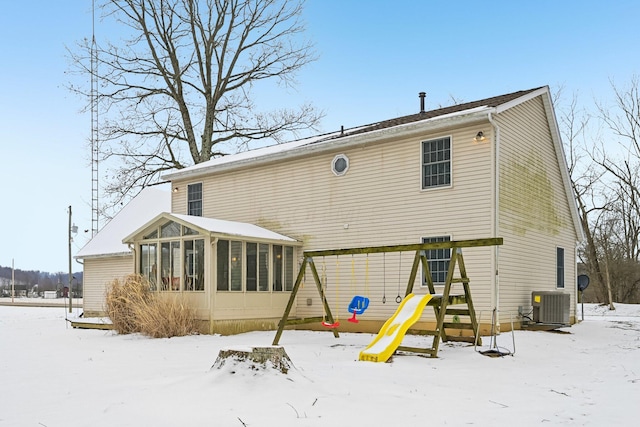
(560, 269)
(177, 256)
(333, 165)
(287, 269)
(201, 199)
(423, 164)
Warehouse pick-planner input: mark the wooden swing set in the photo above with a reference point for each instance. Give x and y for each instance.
(358, 304)
(439, 302)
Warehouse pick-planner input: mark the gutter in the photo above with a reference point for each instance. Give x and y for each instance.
(105, 255)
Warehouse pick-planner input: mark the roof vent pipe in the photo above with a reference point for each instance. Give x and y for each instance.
(422, 95)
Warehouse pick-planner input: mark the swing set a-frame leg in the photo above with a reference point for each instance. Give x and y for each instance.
(294, 292)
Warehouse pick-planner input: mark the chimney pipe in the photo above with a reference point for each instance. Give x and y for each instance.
(422, 95)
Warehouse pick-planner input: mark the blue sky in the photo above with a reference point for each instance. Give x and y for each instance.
(374, 58)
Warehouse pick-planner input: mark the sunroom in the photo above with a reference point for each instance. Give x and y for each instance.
(237, 276)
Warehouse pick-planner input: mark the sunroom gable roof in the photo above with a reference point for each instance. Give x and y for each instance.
(215, 227)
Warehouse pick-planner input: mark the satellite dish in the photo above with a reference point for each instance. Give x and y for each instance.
(583, 282)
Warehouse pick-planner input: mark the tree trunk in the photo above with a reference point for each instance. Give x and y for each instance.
(608, 281)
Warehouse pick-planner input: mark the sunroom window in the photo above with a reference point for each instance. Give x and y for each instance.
(170, 229)
(277, 267)
(170, 266)
(222, 265)
(194, 265)
(148, 263)
(236, 266)
(174, 261)
(288, 268)
(264, 267)
(252, 266)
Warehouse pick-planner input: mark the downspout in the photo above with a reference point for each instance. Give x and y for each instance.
(496, 219)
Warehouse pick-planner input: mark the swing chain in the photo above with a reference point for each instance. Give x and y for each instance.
(323, 279)
(399, 298)
(384, 277)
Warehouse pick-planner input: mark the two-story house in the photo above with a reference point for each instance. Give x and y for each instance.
(232, 240)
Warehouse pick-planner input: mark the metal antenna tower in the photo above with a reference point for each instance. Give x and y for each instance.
(95, 145)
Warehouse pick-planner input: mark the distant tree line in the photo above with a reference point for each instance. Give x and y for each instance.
(45, 281)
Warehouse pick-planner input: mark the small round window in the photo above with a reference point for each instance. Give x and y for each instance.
(340, 165)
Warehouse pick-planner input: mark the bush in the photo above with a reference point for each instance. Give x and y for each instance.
(132, 308)
(124, 299)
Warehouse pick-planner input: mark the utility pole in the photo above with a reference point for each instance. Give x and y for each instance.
(70, 293)
(72, 229)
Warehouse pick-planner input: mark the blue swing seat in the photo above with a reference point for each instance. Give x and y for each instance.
(358, 304)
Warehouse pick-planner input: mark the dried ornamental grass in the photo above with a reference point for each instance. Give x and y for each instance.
(167, 317)
(124, 297)
(132, 308)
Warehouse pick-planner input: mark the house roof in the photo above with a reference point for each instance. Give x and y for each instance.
(143, 207)
(441, 112)
(405, 126)
(213, 226)
(342, 137)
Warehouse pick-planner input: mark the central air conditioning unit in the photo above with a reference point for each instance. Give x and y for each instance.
(551, 307)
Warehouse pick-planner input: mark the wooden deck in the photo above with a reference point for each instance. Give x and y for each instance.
(90, 324)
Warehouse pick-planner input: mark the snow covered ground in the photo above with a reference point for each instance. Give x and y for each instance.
(53, 375)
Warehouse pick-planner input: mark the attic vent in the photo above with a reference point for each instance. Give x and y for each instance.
(340, 165)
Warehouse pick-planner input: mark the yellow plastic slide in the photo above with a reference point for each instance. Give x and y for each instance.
(393, 330)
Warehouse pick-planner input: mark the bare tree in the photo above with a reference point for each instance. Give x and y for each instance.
(623, 121)
(624, 117)
(180, 88)
(586, 182)
(603, 243)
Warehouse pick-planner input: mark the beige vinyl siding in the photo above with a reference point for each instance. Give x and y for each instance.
(179, 197)
(249, 305)
(98, 273)
(534, 209)
(378, 202)
(198, 301)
